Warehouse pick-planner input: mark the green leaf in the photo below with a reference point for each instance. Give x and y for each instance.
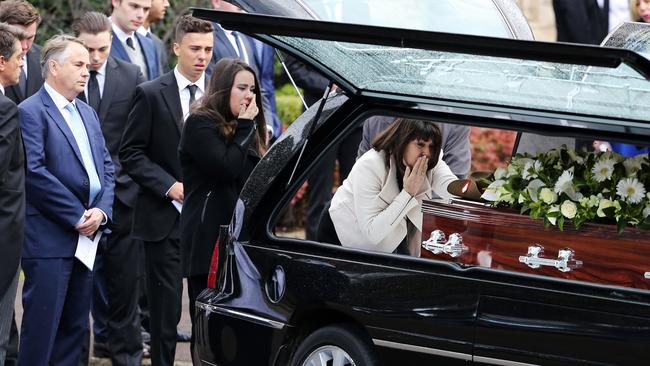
(620, 225)
(560, 223)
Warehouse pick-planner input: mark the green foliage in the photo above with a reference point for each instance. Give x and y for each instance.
(289, 106)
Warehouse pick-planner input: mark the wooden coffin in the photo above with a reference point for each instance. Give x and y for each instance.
(504, 239)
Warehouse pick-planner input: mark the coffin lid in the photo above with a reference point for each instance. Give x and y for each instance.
(564, 79)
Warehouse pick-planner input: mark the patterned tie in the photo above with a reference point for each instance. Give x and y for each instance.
(94, 98)
(240, 50)
(22, 82)
(80, 135)
(192, 88)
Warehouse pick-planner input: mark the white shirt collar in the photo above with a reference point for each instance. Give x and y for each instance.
(143, 31)
(183, 82)
(102, 69)
(59, 100)
(2, 89)
(120, 33)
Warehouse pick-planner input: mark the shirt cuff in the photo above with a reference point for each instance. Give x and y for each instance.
(170, 188)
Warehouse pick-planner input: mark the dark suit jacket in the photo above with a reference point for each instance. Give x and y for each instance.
(12, 191)
(580, 21)
(119, 90)
(56, 183)
(224, 49)
(34, 77)
(163, 53)
(214, 172)
(150, 53)
(148, 153)
(311, 81)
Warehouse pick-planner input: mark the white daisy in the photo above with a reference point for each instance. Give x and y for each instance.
(603, 170)
(630, 189)
(564, 184)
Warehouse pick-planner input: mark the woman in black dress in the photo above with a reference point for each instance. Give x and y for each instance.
(223, 138)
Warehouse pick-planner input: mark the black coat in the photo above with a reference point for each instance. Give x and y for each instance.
(12, 191)
(34, 77)
(214, 172)
(120, 83)
(580, 21)
(148, 153)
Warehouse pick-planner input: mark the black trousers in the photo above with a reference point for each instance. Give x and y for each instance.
(164, 290)
(322, 179)
(122, 262)
(195, 284)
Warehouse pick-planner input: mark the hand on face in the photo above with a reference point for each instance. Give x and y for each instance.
(415, 178)
(249, 111)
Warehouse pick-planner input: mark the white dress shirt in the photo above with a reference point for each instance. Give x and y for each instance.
(184, 92)
(231, 38)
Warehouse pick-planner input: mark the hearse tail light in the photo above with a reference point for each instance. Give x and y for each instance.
(214, 263)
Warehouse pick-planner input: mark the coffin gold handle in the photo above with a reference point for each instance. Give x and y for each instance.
(437, 244)
(565, 261)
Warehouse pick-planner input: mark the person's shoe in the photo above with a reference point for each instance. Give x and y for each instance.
(183, 336)
(100, 350)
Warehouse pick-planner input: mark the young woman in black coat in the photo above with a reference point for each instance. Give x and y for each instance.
(223, 138)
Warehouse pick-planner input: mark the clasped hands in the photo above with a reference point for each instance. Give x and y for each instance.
(415, 178)
(92, 219)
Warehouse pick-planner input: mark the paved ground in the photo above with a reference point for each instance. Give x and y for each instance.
(182, 349)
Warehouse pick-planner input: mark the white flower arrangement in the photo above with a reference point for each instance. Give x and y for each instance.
(565, 185)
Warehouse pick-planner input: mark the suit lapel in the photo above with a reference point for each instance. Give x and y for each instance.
(149, 50)
(172, 98)
(118, 50)
(57, 117)
(109, 88)
(224, 43)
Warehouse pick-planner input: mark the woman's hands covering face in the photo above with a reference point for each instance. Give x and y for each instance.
(414, 178)
(250, 111)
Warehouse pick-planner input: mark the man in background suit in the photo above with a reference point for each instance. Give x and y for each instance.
(110, 91)
(12, 180)
(588, 21)
(128, 45)
(157, 14)
(69, 191)
(149, 155)
(22, 14)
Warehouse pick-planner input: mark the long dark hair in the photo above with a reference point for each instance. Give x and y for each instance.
(216, 104)
(394, 139)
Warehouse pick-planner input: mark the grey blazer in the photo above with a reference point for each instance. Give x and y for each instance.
(455, 143)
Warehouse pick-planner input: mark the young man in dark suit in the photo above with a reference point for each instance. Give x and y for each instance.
(110, 91)
(22, 14)
(157, 14)
(69, 190)
(149, 155)
(128, 45)
(12, 180)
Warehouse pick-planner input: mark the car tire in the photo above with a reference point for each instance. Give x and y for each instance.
(336, 341)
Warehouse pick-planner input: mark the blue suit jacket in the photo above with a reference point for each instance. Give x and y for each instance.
(264, 57)
(224, 49)
(150, 53)
(56, 183)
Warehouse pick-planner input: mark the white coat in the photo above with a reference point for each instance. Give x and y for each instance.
(369, 210)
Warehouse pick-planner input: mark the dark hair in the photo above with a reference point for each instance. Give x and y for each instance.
(216, 104)
(189, 24)
(8, 36)
(91, 22)
(394, 139)
(18, 12)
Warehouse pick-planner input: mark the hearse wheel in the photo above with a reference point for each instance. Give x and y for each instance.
(335, 345)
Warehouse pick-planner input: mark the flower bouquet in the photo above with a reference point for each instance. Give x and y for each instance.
(578, 186)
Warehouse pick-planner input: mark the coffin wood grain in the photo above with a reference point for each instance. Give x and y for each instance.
(497, 237)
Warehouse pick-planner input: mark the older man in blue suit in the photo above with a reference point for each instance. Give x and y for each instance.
(69, 190)
(128, 45)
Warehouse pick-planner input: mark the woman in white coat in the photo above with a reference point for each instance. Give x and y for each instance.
(379, 205)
